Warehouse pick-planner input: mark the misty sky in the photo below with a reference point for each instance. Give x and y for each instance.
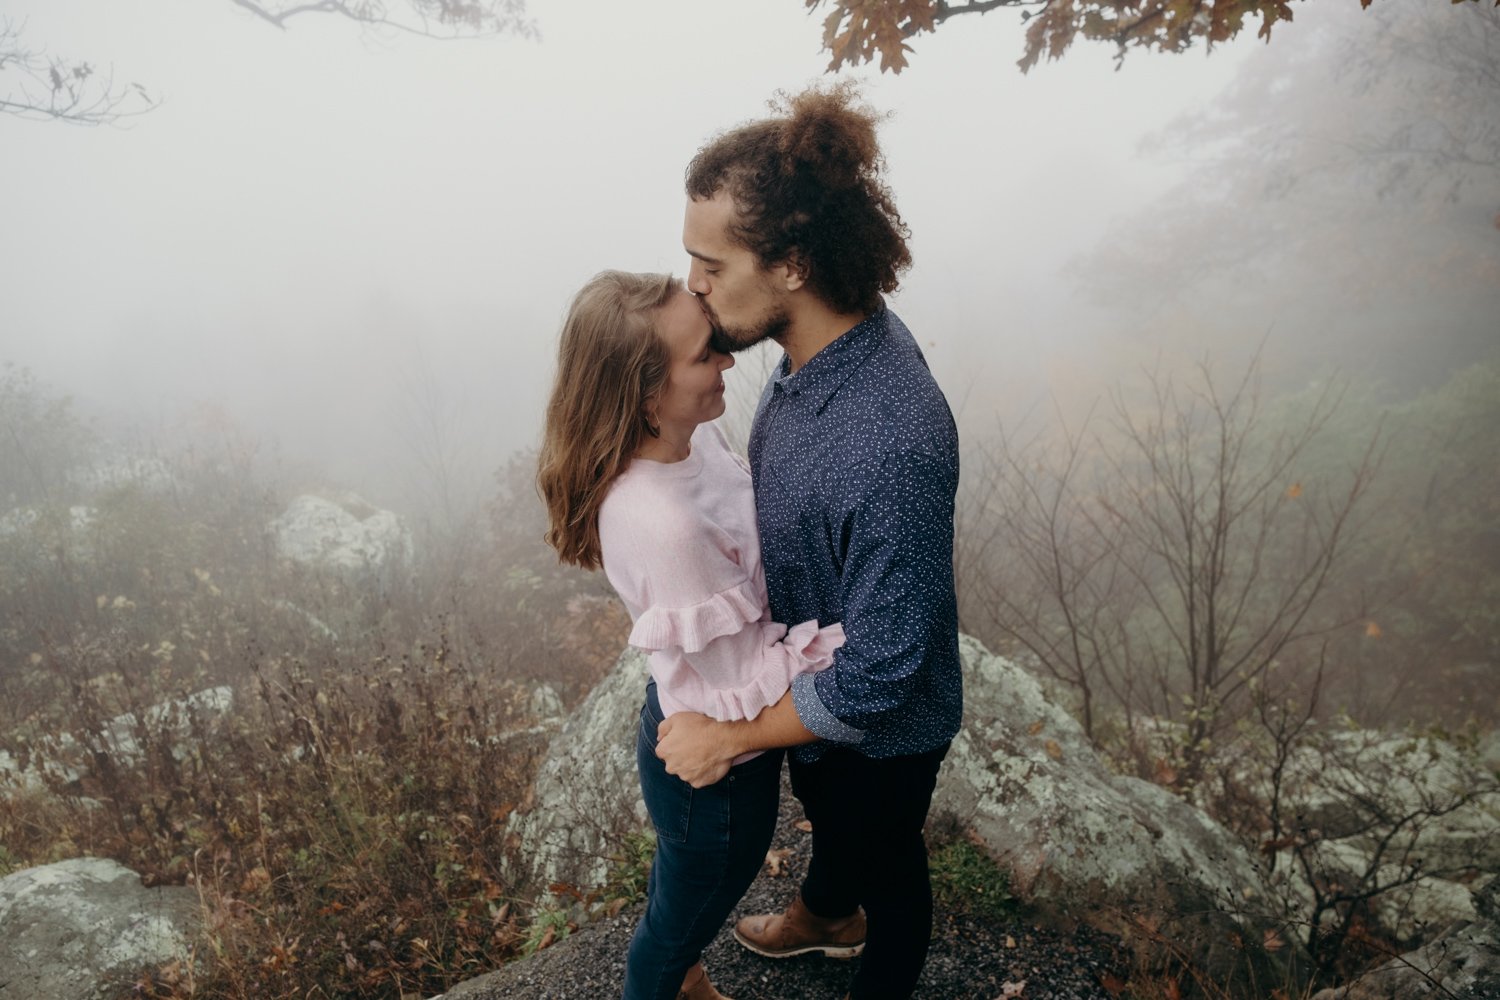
(319, 226)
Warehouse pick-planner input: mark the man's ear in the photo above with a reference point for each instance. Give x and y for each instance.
(794, 270)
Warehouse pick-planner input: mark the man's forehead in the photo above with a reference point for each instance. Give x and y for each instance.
(705, 231)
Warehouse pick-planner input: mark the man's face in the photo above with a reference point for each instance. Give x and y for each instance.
(745, 302)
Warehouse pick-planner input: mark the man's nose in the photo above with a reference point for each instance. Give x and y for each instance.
(697, 282)
(727, 363)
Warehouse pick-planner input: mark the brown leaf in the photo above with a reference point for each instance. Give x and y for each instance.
(1010, 942)
(1372, 630)
(1053, 749)
(1035, 727)
(776, 860)
(1294, 491)
(1272, 941)
(805, 825)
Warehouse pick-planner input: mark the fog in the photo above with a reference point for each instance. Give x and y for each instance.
(320, 229)
(355, 247)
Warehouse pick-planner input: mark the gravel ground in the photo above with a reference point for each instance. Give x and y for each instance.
(970, 958)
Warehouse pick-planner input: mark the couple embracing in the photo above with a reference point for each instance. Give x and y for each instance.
(797, 606)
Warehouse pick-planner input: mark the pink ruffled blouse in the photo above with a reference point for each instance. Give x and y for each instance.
(680, 546)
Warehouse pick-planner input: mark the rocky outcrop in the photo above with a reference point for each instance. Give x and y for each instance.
(86, 928)
(348, 535)
(1463, 961)
(1076, 839)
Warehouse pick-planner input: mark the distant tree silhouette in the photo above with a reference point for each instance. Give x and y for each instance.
(38, 86)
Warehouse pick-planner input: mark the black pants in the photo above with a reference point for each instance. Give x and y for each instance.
(867, 816)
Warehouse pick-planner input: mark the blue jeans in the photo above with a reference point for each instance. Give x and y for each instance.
(710, 843)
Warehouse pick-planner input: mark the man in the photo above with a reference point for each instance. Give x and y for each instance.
(854, 454)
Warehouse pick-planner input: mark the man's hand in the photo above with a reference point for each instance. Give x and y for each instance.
(695, 748)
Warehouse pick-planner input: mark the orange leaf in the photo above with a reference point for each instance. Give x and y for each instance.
(1372, 630)
(1294, 491)
(1053, 750)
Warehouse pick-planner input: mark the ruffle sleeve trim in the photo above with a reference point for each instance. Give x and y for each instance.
(807, 648)
(695, 626)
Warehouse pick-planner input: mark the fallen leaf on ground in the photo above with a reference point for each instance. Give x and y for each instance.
(1008, 989)
(805, 825)
(775, 860)
(1010, 942)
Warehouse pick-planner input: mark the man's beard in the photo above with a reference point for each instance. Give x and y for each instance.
(733, 340)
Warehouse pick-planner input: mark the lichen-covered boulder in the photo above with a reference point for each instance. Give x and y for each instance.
(587, 795)
(86, 928)
(1083, 842)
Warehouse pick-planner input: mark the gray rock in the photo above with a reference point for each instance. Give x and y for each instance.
(1462, 963)
(82, 929)
(587, 795)
(64, 759)
(347, 535)
(1082, 842)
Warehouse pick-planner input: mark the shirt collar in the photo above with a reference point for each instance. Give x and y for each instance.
(820, 378)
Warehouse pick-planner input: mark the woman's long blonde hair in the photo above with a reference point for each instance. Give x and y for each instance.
(610, 361)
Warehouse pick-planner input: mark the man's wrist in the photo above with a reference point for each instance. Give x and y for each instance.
(734, 738)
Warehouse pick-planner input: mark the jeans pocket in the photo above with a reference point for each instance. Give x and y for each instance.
(669, 799)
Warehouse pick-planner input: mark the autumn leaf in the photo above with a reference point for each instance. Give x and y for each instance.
(805, 825)
(1272, 941)
(1294, 491)
(1035, 727)
(1053, 750)
(1372, 630)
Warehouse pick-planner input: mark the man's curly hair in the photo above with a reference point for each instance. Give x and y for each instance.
(807, 191)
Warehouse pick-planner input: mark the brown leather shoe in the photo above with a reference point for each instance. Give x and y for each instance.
(798, 931)
(695, 986)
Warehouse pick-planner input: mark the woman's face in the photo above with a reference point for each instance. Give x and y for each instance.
(694, 392)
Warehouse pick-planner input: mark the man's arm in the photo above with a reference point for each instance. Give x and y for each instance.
(699, 750)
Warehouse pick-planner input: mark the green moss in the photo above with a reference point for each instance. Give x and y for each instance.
(966, 878)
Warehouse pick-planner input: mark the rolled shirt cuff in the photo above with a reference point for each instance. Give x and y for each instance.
(815, 715)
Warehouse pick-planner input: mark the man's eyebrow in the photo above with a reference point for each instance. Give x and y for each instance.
(703, 256)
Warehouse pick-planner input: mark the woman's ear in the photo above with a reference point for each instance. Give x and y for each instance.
(648, 417)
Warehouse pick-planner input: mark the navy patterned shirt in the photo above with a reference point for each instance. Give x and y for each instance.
(855, 464)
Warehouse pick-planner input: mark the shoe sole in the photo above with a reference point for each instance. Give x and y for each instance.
(829, 950)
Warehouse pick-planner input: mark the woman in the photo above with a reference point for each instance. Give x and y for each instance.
(637, 479)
